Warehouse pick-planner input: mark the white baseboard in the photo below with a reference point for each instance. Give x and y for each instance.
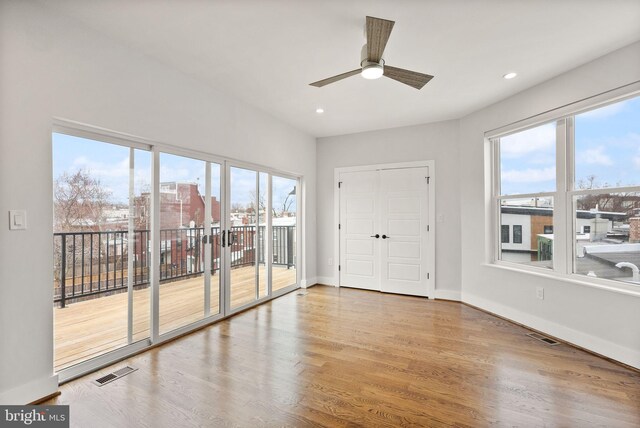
(30, 392)
(327, 280)
(308, 282)
(448, 295)
(598, 345)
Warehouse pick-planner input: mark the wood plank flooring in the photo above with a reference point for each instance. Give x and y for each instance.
(344, 357)
(86, 329)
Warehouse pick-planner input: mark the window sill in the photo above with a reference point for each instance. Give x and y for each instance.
(601, 284)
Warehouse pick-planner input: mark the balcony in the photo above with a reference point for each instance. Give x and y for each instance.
(91, 309)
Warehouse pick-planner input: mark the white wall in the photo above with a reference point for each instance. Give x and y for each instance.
(51, 67)
(601, 320)
(436, 141)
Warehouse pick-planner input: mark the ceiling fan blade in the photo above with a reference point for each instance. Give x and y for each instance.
(408, 77)
(378, 32)
(321, 83)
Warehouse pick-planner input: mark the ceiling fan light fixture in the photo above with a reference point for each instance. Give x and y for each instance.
(372, 70)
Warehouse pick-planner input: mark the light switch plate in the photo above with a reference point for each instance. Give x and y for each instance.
(17, 219)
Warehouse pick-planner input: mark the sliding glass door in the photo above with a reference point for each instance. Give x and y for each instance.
(150, 243)
(101, 247)
(242, 236)
(284, 232)
(189, 277)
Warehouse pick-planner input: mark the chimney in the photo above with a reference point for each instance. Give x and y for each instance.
(599, 228)
(634, 230)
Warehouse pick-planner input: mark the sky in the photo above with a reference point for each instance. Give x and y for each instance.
(109, 163)
(607, 146)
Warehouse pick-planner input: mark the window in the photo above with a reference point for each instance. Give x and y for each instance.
(606, 195)
(517, 234)
(526, 184)
(505, 233)
(598, 183)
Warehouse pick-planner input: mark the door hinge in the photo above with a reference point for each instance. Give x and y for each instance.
(427, 275)
(339, 226)
(339, 184)
(339, 268)
(428, 228)
(428, 179)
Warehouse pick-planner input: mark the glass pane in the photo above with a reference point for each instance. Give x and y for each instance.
(214, 306)
(526, 229)
(243, 230)
(263, 195)
(607, 146)
(517, 234)
(528, 161)
(141, 244)
(608, 236)
(181, 248)
(284, 209)
(97, 209)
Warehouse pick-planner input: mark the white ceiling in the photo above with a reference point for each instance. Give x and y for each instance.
(266, 52)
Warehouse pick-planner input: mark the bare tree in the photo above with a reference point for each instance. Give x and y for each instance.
(625, 202)
(238, 207)
(286, 204)
(276, 211)
(79, 200)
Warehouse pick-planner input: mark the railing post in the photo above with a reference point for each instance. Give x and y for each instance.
(289, 247)
(63, 273)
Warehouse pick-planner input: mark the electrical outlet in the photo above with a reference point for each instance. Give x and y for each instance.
(330, 262)
(540, 293)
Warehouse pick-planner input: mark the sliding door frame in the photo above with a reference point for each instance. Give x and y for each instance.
(268, 233)
(155, 232)
(77, 129)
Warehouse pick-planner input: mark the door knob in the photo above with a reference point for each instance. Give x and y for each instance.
(377, 235)
(385, 237)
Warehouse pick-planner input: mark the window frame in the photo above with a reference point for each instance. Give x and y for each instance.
(564, 218)
(497, 196)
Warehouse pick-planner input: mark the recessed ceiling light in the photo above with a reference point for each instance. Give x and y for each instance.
(319, 110)
(510, 75)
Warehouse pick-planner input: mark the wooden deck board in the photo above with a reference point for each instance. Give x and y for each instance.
(87, 329)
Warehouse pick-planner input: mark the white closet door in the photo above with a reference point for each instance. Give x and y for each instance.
(359, 255)
(403, 227)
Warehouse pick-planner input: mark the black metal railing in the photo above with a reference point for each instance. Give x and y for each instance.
(90, 264)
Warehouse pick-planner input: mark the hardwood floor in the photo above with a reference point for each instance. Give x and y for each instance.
(344, 357)
(86, 329)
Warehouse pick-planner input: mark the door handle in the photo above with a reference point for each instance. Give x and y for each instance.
(231, 238)
(377, 235)
(385, 237)
(224, 243)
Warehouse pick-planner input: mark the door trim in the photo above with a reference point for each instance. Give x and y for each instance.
(431, 244)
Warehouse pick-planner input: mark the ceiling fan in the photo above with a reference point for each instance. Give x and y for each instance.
(372, 65)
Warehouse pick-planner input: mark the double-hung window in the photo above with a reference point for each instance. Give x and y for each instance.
(569, 189)
(525, 189)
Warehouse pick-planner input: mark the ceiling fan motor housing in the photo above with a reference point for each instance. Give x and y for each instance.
(370, 69)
